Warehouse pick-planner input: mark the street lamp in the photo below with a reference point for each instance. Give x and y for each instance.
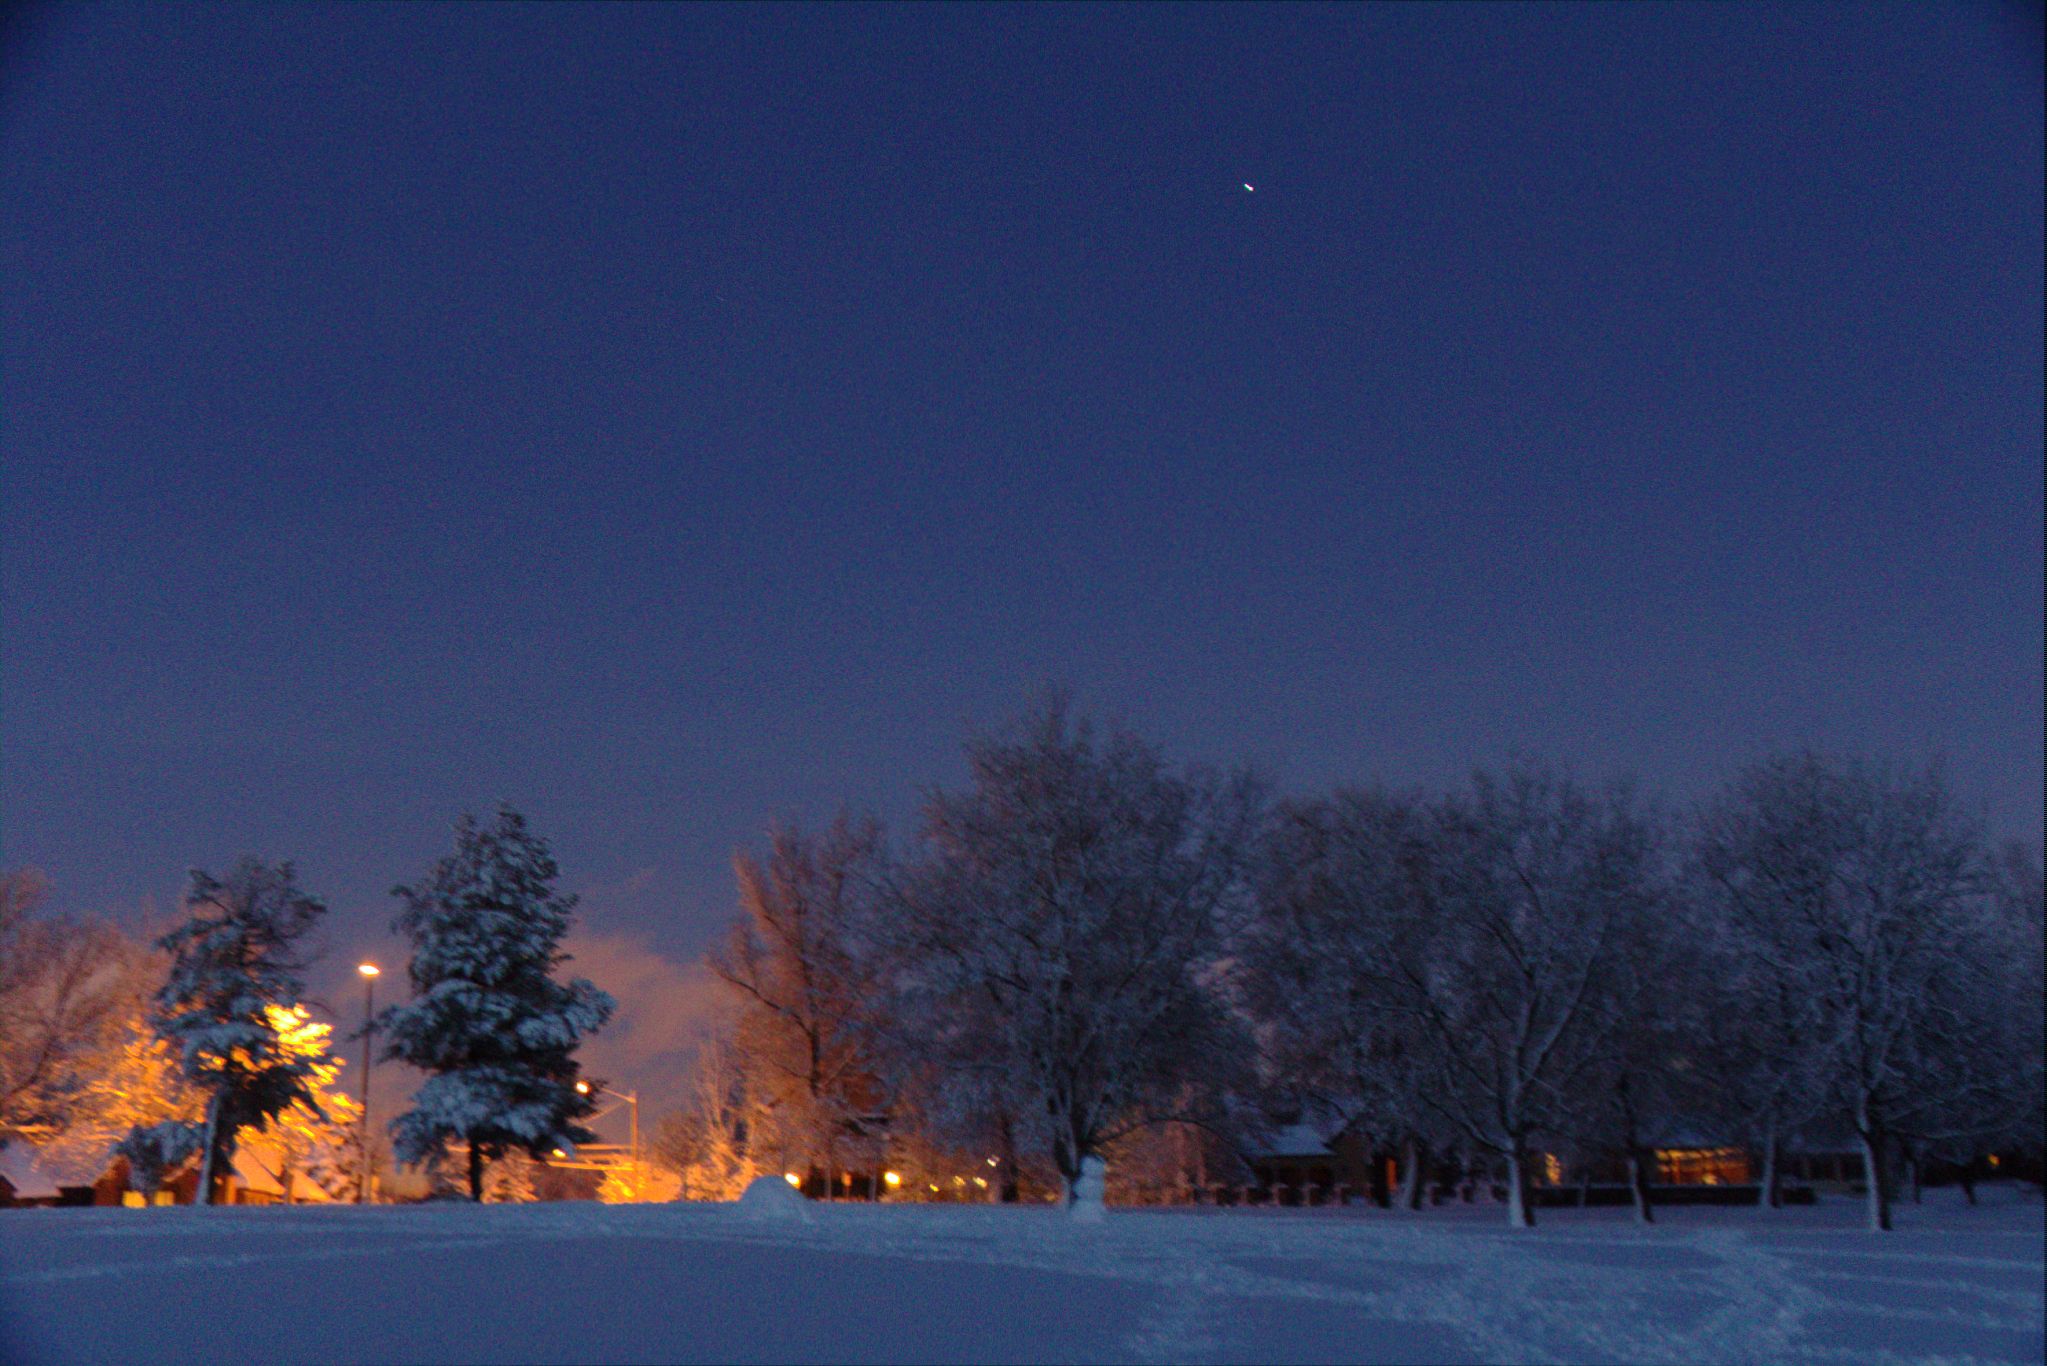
(632, 1099)
(369, 973)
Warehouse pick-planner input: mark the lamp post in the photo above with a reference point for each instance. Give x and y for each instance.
(632, 1099)
(369, 973)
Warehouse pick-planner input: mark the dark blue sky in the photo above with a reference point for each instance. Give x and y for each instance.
(668, 417)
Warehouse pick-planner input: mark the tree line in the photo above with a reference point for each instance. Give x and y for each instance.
(1087, 953)
(1085, 944)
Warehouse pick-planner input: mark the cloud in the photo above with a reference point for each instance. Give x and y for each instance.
(666, 1010)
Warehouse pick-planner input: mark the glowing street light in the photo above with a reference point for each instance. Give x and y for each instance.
(370, 972)
(631, 1098)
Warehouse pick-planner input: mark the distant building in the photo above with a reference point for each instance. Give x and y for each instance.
(33, 1177)
(1310, 1162)
(30, 1178)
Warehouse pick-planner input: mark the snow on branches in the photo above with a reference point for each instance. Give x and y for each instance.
(235, 963)
(488, 1021)
(1067, 931)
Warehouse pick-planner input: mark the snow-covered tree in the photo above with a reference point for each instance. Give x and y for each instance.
(66, 988)
(137, 1084)
(2015, 1030)
(803, 962)
(154, 1151)
(236, 958)
(709, 1144)
(1339, 891)
(1640, 1093)
(1065, 935)
(1858, 893)
(488, 1022)
(1759, 1064)
(509, 1180)
(1529, 885)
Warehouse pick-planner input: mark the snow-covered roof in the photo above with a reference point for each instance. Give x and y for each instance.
(257, 1165)
(35, 1174)
(1298, 1140)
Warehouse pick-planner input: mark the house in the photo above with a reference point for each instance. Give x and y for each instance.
(1322, 1160)
(1317, 1160)
(31, 1176)
(253, 1180)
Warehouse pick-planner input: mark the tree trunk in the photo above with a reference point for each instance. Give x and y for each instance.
(1638, 1175)
(1915, 1167)
(1007, 1153)
(1520, 1210)
(1771, 1193)
(1415, 1153)
(475, 1173)
(1877, 1174)
(211, 1160)
(1638, 1185)
(1967, 1176)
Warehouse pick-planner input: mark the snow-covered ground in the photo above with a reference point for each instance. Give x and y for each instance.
(579, 1282)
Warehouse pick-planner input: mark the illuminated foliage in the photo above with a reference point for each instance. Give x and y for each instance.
(311, 1136)
(232, 961)
(803, 967)
(137, 1085)
(707, 1144)
(63, 988)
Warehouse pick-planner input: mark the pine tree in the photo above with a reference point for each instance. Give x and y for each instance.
(235, 960)
(487, 1021)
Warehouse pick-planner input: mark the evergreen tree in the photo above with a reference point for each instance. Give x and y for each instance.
(233, 964)
(487, 1021)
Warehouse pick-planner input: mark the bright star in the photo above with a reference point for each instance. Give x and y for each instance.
(1248, 185)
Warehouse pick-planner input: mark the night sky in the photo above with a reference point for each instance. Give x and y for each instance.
(666, 419)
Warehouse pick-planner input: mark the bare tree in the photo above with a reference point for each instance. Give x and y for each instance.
(2015, 1034)
(67, 987)
(1064, 938)
(1530, 890)
(1639, 1095)
(1857, 893)
(709, 1144)
(1338, 894)
(803, 960)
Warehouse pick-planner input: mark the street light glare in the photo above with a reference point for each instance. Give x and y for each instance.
(583, 1088)
(368, 969)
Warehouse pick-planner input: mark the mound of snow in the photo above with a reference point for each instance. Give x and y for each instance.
(772, 1197)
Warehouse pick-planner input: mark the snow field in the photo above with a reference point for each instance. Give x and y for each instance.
(581, 1282)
